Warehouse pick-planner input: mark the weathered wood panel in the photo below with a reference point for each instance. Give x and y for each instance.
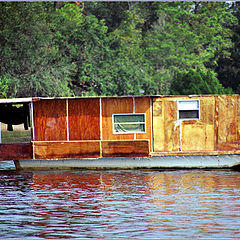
(55, 150)
(135, 148)
(113, 106)
(50, 120)
(84, 119)
(172, 135)
(143, 105)
(228, 126)
(15, 151)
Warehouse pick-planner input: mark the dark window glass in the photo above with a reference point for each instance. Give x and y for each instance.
(188, 114)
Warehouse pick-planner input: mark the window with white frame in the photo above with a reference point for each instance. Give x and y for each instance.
(188, 109)
(129, 123)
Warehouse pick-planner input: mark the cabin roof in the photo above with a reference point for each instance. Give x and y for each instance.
(35, 99)
(19, 100)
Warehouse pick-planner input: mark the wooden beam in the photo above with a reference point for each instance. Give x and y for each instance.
(66, 149)
(134, 148)
(15, 151)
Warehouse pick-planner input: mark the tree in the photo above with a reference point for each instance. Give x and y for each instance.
(83, 41)
(197, 81)
(228, 68)
(102, 48)
(28, 55)
(187, 35)
(4, 81)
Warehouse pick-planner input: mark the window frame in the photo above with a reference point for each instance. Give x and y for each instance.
(193, 109)
(128, 114)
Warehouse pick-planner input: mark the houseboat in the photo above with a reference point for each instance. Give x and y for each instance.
(128, 132)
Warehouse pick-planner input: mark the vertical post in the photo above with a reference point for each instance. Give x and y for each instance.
(32, 121)
(134, 112)
(133, 104)
(100, 104)
(32, 132)
(67, 119)
(0, 132)
(151, 116)
(101, 137)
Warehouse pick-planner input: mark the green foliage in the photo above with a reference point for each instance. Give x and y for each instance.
(122, 48)
(197, 81)
(188, 35)
(228, 68)
(28, 53)
(4, 82)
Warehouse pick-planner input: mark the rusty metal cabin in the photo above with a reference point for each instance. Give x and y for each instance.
(131, 126)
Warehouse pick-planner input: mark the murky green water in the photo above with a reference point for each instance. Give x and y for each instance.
(120, 204)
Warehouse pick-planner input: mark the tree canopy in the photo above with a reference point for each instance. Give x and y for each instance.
(119, 48)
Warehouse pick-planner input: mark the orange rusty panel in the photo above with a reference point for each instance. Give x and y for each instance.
(171, 127)
(198, 135)
(84, 119)
(53, 150)
(113, 106)
(207, 110)
(172, 135)
(15, 151)
(195, 137)
(135, 148)
(228, 122)
(143, 105)
(50, 120)
(158, 124)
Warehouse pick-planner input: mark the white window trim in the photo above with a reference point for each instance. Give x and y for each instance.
(129, 114)
(188, 100)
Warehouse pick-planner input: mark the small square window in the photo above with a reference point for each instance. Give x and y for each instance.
(129, 123)
(188, 110)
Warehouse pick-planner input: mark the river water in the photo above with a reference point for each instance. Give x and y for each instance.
(119, 204)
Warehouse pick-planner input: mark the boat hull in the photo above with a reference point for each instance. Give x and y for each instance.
(159, 162)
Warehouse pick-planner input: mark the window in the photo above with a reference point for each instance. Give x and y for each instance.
(188, 110)
(129, 123)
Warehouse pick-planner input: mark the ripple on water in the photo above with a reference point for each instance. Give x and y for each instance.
(116, 204)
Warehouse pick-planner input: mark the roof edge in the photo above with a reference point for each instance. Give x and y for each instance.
(18, 100)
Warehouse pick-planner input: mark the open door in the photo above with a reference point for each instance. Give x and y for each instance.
(16, 129)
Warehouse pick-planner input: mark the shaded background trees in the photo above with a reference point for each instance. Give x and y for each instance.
(101, 48)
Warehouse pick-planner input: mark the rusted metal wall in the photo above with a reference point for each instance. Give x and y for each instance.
(112, 106)
(50, 122)
(143, 105)
(216, 130)
(80, 119)
(84, 119)
(71, 128)
(227, 122)
(125, 105)
(172, 135)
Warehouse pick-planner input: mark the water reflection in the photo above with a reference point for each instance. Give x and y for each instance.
(128, 204)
